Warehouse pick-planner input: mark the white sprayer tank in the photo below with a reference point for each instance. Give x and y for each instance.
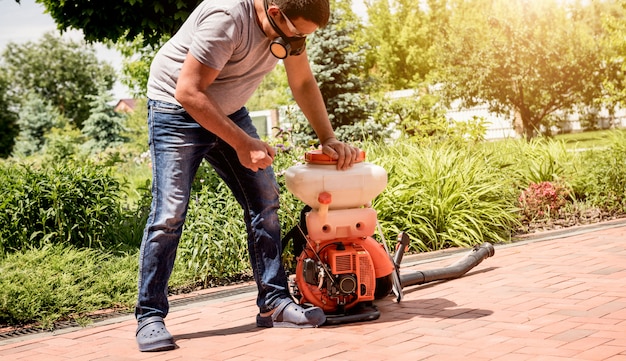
(351, 188)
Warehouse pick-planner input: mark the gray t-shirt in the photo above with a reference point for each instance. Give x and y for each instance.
(221, 34)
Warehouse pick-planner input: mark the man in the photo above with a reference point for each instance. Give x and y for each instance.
(198, 85)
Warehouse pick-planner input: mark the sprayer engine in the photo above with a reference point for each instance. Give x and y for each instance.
(343, 276)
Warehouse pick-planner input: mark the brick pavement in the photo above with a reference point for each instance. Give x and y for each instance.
(556, 297)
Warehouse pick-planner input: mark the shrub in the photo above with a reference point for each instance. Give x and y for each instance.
(543, 199)
(70, 203)
(213, 248)
(443, 196)
(538, 160)
(602, 177)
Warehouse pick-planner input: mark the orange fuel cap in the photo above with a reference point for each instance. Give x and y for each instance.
(317, 157)
(325, 198)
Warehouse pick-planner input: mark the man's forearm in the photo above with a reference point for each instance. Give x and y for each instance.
(310, 101)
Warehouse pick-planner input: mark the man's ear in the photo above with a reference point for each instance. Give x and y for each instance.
(273, 10)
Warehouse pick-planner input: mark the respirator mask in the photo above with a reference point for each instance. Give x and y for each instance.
(284, 45)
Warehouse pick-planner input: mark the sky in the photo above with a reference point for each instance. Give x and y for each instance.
(20, 23)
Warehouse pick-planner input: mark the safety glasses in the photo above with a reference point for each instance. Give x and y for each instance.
(292, 28)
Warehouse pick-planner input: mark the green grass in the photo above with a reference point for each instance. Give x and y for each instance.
(587, 140)
(59, 282)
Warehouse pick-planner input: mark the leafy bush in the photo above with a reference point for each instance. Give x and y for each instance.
(364, 130)
(70, 203)
(423, 118)
(535, 161)
(543, 199)
(419, 117)
(213, 246)
(62, 143)
(602, 180)
(443, 195)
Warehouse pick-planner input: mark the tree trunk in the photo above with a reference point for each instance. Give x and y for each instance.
(529, 130)
(523, 124)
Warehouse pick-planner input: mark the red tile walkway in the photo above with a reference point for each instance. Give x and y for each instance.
(552, 297)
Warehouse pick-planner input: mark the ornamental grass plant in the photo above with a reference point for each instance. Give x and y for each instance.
(443, 196)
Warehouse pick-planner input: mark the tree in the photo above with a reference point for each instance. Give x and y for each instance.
(136, 64)
(526, 57)
(114, 19)
(337, 69)
(8, 119)
(400, 39)
(615, 83)
(104, 127)
(36, 118)
(63, 72)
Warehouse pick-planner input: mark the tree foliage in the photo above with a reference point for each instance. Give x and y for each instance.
(615, 43)
(113, 19)
(528, 57)
(37, 117)
(273, 91)
(63, 72)
(8, 118)
(337, 69)
(137, 57)
(104, 127)
(400, 39)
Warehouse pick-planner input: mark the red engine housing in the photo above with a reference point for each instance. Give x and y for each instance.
(341, 273)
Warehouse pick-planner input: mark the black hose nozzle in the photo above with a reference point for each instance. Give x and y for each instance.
(458, 269)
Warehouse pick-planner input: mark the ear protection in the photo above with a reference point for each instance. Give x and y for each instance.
(284, 45)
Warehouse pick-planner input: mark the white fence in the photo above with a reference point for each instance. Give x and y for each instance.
(498, 126)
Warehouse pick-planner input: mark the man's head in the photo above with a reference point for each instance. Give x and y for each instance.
(293, 20)
(316, 11)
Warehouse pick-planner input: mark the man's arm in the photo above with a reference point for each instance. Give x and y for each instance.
(309, 98)
(191, 93)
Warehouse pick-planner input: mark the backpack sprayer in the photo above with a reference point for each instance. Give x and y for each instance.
(341, 268)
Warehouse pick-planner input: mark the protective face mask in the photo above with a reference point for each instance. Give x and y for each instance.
(284, 45)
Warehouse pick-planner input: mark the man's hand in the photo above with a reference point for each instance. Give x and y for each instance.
(255, 154)
(344, 153)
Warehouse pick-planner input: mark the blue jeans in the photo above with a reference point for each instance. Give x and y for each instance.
(178, 144)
